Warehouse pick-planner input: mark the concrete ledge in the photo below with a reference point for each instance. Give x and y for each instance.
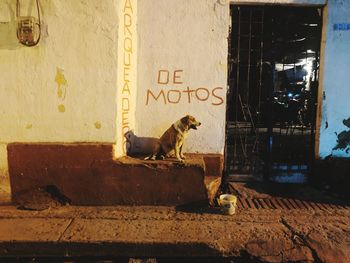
(87, 175)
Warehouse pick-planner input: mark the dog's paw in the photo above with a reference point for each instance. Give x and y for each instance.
(162, 157)
(183, 157)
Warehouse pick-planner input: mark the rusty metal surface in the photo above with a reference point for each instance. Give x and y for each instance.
(274, 196)
(286, 203)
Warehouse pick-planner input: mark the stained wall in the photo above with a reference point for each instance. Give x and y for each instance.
(64, 89)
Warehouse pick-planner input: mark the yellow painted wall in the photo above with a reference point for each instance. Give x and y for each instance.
(64, 89)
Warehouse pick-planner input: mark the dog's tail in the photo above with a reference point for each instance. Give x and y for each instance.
(157, 151)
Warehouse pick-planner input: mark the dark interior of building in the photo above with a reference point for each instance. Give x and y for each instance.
(271, 105)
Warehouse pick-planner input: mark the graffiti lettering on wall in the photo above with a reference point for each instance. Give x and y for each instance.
(341, 27)
(127, 67)
(173, 93)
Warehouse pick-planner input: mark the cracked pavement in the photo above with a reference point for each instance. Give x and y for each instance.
(266, 235)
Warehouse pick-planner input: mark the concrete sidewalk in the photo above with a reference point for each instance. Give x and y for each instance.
(268, 235)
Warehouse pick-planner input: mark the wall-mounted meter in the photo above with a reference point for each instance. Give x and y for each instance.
(28, 30)
(28, 27)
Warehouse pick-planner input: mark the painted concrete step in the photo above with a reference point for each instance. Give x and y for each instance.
(94, 178)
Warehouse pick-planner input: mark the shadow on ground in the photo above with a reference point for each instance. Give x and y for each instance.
(198, 209)
(244, 258)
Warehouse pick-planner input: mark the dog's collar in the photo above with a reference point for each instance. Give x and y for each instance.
(179, 127)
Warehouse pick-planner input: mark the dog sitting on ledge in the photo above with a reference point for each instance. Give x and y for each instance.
(173, 139)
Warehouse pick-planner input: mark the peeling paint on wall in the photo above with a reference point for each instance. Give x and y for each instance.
(343, 138)
(324, 111)
(98, 125)
(61, 84)
(61, 108)
(61, 89)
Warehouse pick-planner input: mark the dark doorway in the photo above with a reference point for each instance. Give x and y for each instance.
(273, 75)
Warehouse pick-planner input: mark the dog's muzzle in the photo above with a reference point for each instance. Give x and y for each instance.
(194, 126)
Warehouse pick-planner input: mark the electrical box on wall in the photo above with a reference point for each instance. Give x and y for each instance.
(28, 27)
(28, 30)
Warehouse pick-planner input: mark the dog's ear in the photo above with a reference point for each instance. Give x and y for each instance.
(185, 120)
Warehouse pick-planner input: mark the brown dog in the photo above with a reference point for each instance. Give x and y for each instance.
(173, 139)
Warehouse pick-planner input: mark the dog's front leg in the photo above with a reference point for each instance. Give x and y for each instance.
(181, 154)
(177, 152)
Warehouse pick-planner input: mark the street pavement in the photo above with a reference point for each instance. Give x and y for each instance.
(255, 235)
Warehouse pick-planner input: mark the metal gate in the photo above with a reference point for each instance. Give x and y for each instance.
(273, 80)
